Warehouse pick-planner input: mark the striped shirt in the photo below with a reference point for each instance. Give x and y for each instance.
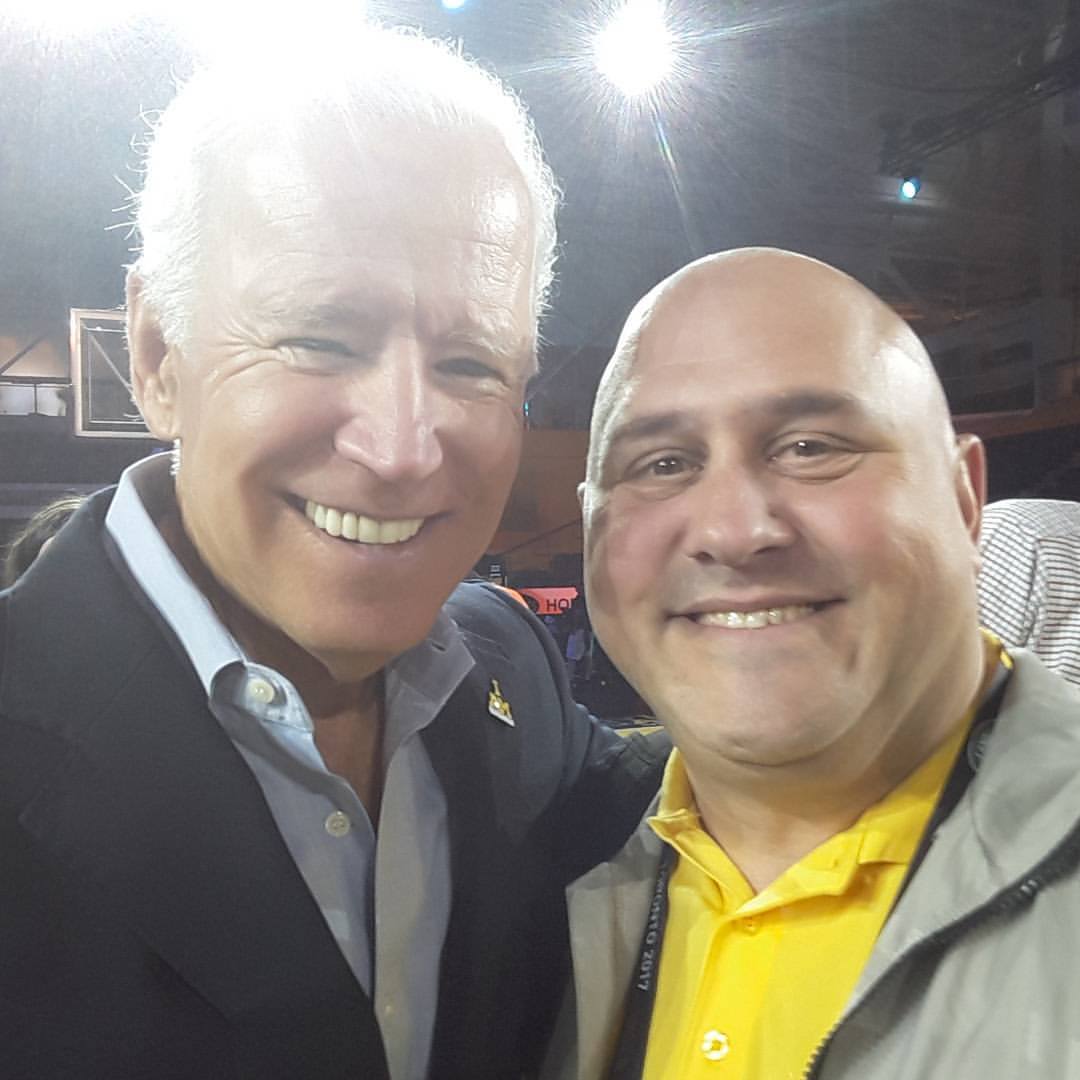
(1029, 585)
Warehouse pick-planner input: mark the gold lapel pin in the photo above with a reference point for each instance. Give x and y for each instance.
(498, 706)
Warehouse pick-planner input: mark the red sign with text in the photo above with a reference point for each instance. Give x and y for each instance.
(550, 600)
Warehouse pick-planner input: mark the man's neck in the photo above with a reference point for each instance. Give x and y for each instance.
(349, 716)
(764, 840)
(767, 818)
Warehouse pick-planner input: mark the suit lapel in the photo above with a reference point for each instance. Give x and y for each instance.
(503, 894)
(149, 799)
(467, 733)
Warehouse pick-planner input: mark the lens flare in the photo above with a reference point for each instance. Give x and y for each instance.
(635, 52)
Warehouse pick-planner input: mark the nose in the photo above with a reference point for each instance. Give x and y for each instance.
(394, 427)
(736, 516)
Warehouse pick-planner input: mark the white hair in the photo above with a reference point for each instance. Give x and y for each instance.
(382, 74)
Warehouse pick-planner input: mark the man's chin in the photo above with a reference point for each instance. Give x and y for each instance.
(351, 657)
(350, 666)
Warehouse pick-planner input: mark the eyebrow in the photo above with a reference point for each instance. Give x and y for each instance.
(811, 402)
(282, 310)
(775, 409)
(486, 339)
(644, 427)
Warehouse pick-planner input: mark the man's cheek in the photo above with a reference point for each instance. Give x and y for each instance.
(614, 573)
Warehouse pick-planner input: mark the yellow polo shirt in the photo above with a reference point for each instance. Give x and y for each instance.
(749, 983)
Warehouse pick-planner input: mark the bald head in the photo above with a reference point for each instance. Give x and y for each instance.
(779, 300)
(780, 522)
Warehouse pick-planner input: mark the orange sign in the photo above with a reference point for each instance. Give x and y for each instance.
(550, 601)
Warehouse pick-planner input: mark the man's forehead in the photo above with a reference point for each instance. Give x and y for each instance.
(637, 415)
(392, 210)
(776, 373)
(393, 179)
(756, 380)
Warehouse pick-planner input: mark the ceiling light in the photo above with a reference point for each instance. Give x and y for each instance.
(635, 51)
(910, 186)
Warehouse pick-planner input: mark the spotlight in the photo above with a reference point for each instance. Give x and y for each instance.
(453, 5)
(635, 51)
(910, 186)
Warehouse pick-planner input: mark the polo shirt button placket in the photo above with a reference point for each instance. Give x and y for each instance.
(715, 1045)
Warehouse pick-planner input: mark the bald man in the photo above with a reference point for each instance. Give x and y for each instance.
(863, 860)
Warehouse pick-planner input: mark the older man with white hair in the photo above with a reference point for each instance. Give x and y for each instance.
(271, 805)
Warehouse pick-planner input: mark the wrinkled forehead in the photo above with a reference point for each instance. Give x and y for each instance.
(316, 213)
(393, 179)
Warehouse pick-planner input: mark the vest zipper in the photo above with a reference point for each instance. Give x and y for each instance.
(1063, 858)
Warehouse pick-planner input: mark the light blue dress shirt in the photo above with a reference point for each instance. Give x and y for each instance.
(385, 896)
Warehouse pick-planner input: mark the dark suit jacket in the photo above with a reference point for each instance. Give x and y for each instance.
(152, 922)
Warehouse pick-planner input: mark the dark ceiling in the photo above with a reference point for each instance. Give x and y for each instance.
(790, 125)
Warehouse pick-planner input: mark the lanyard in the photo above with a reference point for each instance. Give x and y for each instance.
(629, 1060)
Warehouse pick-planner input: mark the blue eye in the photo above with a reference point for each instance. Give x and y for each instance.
(319, 345)
(318, 355)
(469, 367)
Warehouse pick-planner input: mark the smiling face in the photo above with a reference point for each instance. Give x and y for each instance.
(779, 524)
(349, 402)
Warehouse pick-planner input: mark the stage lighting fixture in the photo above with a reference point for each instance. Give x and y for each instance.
(635, 51)
(910, 186)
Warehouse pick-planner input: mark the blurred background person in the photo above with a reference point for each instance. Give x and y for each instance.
(35, 537)
(1029, 583)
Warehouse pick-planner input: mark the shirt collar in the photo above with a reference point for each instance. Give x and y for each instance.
(887, 832)
(144, 492)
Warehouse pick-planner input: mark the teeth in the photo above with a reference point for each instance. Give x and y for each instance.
(755, 620)
(358, 527)
(367, 530)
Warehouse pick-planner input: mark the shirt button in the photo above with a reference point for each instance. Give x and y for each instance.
(338, 824)
(261, 690)
(715, 1045)
(750, 925)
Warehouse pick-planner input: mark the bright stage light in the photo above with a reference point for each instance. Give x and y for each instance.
(910, 186)
(635, 51)
(453, 5)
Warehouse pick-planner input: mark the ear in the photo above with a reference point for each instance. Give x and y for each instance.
(154, 380)
(970, 481)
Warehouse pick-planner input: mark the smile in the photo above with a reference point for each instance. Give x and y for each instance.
(755, 620)
(346, 525)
